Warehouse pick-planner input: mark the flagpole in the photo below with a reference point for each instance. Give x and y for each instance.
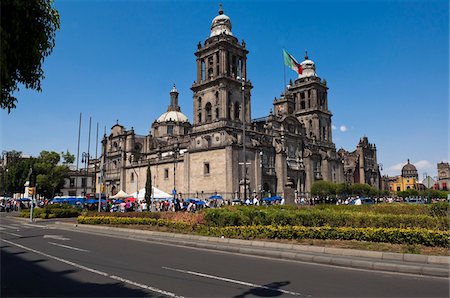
(284, 70)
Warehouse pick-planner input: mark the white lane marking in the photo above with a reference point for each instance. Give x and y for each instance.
(37, 226)
(236, 281)
(56, 237)
(156, 290)
(13, 234)
(69, 247)
(12, 227)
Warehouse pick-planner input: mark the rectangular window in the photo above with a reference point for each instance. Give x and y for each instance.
(83, 182)
(72, 182)
(72, 193)
(206, 168)
(166, 173)
(170, 130)
(398, 188)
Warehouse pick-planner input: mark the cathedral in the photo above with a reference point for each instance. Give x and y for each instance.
(223, 151)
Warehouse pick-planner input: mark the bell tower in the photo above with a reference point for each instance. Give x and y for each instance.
(310, 95)
(221, 81)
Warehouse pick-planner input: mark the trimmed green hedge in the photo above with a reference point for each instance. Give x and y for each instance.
(110, 220)
(390, 235)
(247, 216)
(51, 211)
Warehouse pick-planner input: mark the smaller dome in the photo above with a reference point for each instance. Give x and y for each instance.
(220, 24)
(409, 171)
(409, 167)
(174, 116)
(308, 67)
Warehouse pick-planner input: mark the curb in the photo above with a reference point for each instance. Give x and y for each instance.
(374, 260)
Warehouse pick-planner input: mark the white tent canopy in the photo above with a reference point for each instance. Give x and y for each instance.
(120, 195)
(157, 194)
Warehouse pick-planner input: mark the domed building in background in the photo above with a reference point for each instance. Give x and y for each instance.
(409, 179)
(223, 150)
(409, 171)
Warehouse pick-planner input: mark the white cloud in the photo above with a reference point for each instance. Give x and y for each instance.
(343, 128)
(333, 127)
(422, 166)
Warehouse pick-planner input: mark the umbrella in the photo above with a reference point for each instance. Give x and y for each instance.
(24, 200)
(272, 199)
(216, 197)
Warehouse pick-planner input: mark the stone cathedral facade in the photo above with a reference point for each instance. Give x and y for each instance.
(285, 152)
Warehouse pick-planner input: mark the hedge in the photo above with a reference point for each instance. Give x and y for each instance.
(246, 216)
(52, 212)
(111, 220)
(389, 235)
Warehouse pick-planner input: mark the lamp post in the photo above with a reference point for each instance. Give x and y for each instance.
(176, 150)
(85, 160)
(137, 179)
(243, 136)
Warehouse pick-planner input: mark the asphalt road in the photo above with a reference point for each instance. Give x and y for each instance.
(39, 260)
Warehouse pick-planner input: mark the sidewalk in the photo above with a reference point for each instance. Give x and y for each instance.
(362, 259)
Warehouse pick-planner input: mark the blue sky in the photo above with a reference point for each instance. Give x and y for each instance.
(386, 64)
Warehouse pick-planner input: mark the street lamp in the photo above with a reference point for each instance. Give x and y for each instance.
(85, 160)
(176, 151)
(243, 136)
(137, 179)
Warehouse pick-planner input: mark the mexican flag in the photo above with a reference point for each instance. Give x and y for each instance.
(292, 63)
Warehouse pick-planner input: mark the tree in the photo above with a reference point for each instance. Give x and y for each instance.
(28, 30)
(68, 158)
(323, 188)
(148, 187)
(48, 173)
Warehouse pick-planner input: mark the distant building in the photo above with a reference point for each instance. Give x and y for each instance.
(360, 166)
(443, 181)
(79, 183)
(408, 180)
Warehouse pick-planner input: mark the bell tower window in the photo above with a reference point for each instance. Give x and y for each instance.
(203, 70)
(208, 112)
(237, 110)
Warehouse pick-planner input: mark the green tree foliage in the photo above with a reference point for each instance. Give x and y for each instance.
(47, 172)
(28, 30)
(323, 188)
(68, 158)
(148, 187)
(331, 189)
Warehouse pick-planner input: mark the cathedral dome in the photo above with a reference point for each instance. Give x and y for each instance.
(309, 68)
(173, 116)
(221, 24)
(409, 171)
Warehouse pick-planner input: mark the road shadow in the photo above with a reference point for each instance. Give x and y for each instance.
(268, 290)
(22, 278)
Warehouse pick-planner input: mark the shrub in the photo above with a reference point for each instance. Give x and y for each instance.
(311, 217)
(389, 235)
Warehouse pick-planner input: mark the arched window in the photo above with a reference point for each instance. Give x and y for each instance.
(217, 113)
(132, 177)
(217, 96)
(203, 70)
(229, 105)
(237, 110)
(210, 73)
(199, 103)
(208, 112)
(199, 117)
